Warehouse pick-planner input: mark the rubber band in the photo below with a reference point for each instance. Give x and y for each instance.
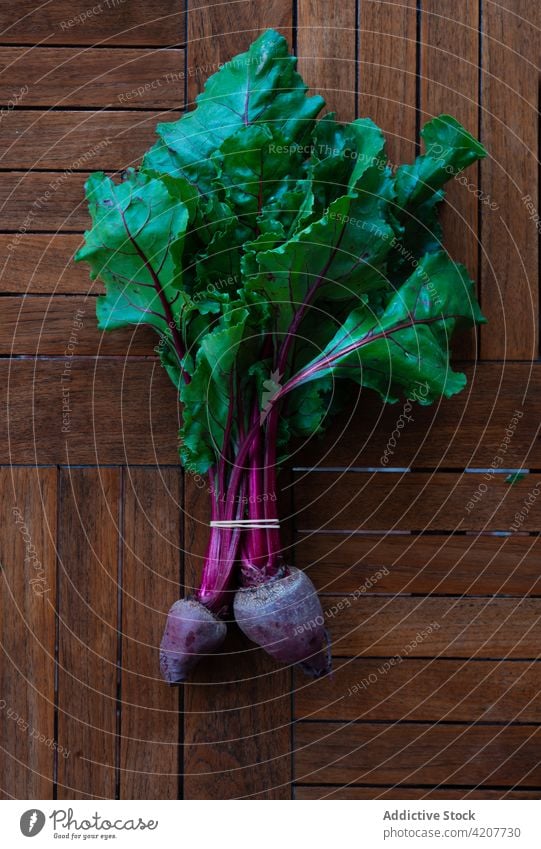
(246, 524)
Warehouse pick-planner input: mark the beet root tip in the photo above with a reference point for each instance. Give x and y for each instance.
(284, 617)
(191, 630)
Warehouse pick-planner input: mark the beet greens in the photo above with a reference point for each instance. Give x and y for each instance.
(276, 254)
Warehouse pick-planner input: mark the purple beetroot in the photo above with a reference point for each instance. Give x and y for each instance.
(191, 631)
(284, 617)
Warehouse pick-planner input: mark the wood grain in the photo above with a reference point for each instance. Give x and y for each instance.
(429, 690)
(326, 47)
(417, 501)
(88, 632)
(116, 393)
(150, 722)
(43, 201)
(450, 85)
(509, 289)
(152, 22)
(45, 326)
(387, 73)
(67, 77)
(401, 793)
(431, 626)
(27, 632)
(43, 264)
(418, 754)
(473, 564)
(52, 140)
(111, 411)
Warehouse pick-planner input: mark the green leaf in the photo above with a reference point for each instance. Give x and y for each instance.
(266, 241)
(406, 350)
(515, 478)
(260, 86)
(255, 166)
(249, 223)
(308, 406)
(449, 149)
(340, 257)
(419, 188)
(135, 246)
(208, 396)
(341, 155)
(291, 208)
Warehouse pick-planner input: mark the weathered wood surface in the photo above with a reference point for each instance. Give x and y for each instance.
(142, 22)
(474, 432)
(435, 615)
(423, 754)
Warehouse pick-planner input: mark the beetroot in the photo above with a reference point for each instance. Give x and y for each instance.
(284, 617)
(191, 630)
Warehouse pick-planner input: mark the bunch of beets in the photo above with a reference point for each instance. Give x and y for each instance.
(278, 257)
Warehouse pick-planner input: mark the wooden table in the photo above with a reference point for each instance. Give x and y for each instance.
(435, 615)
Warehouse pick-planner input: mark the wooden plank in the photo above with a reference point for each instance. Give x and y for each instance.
(88, 632)
(417, 501)
(46, 326)
(150, 723)
(38, 201)
(42, 264)
(388, 68)
(510, 235)
(35, 139)
(418, 754)
(97, 388)
(67, 77)
(425, 690)
(326, 47)
(142, 22)
(429, 626)
(472, 564)
(402, 793)
(450, 85)
(111, 411)
(238, 704)
(27, 632)
(237, 708)
(475, 428)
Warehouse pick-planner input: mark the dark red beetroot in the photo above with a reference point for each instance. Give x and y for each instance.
(191, 630)
(284, 617)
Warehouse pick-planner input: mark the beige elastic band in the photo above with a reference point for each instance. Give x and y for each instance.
(246, 524)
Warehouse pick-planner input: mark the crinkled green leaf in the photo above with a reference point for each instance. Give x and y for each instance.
(342, 153)
(406, 350)
(250, 223)
(260, 86)
(256, 166)
(340, 257)
(419, 188)
(449, 149)
(135, 246)
(209, 394)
